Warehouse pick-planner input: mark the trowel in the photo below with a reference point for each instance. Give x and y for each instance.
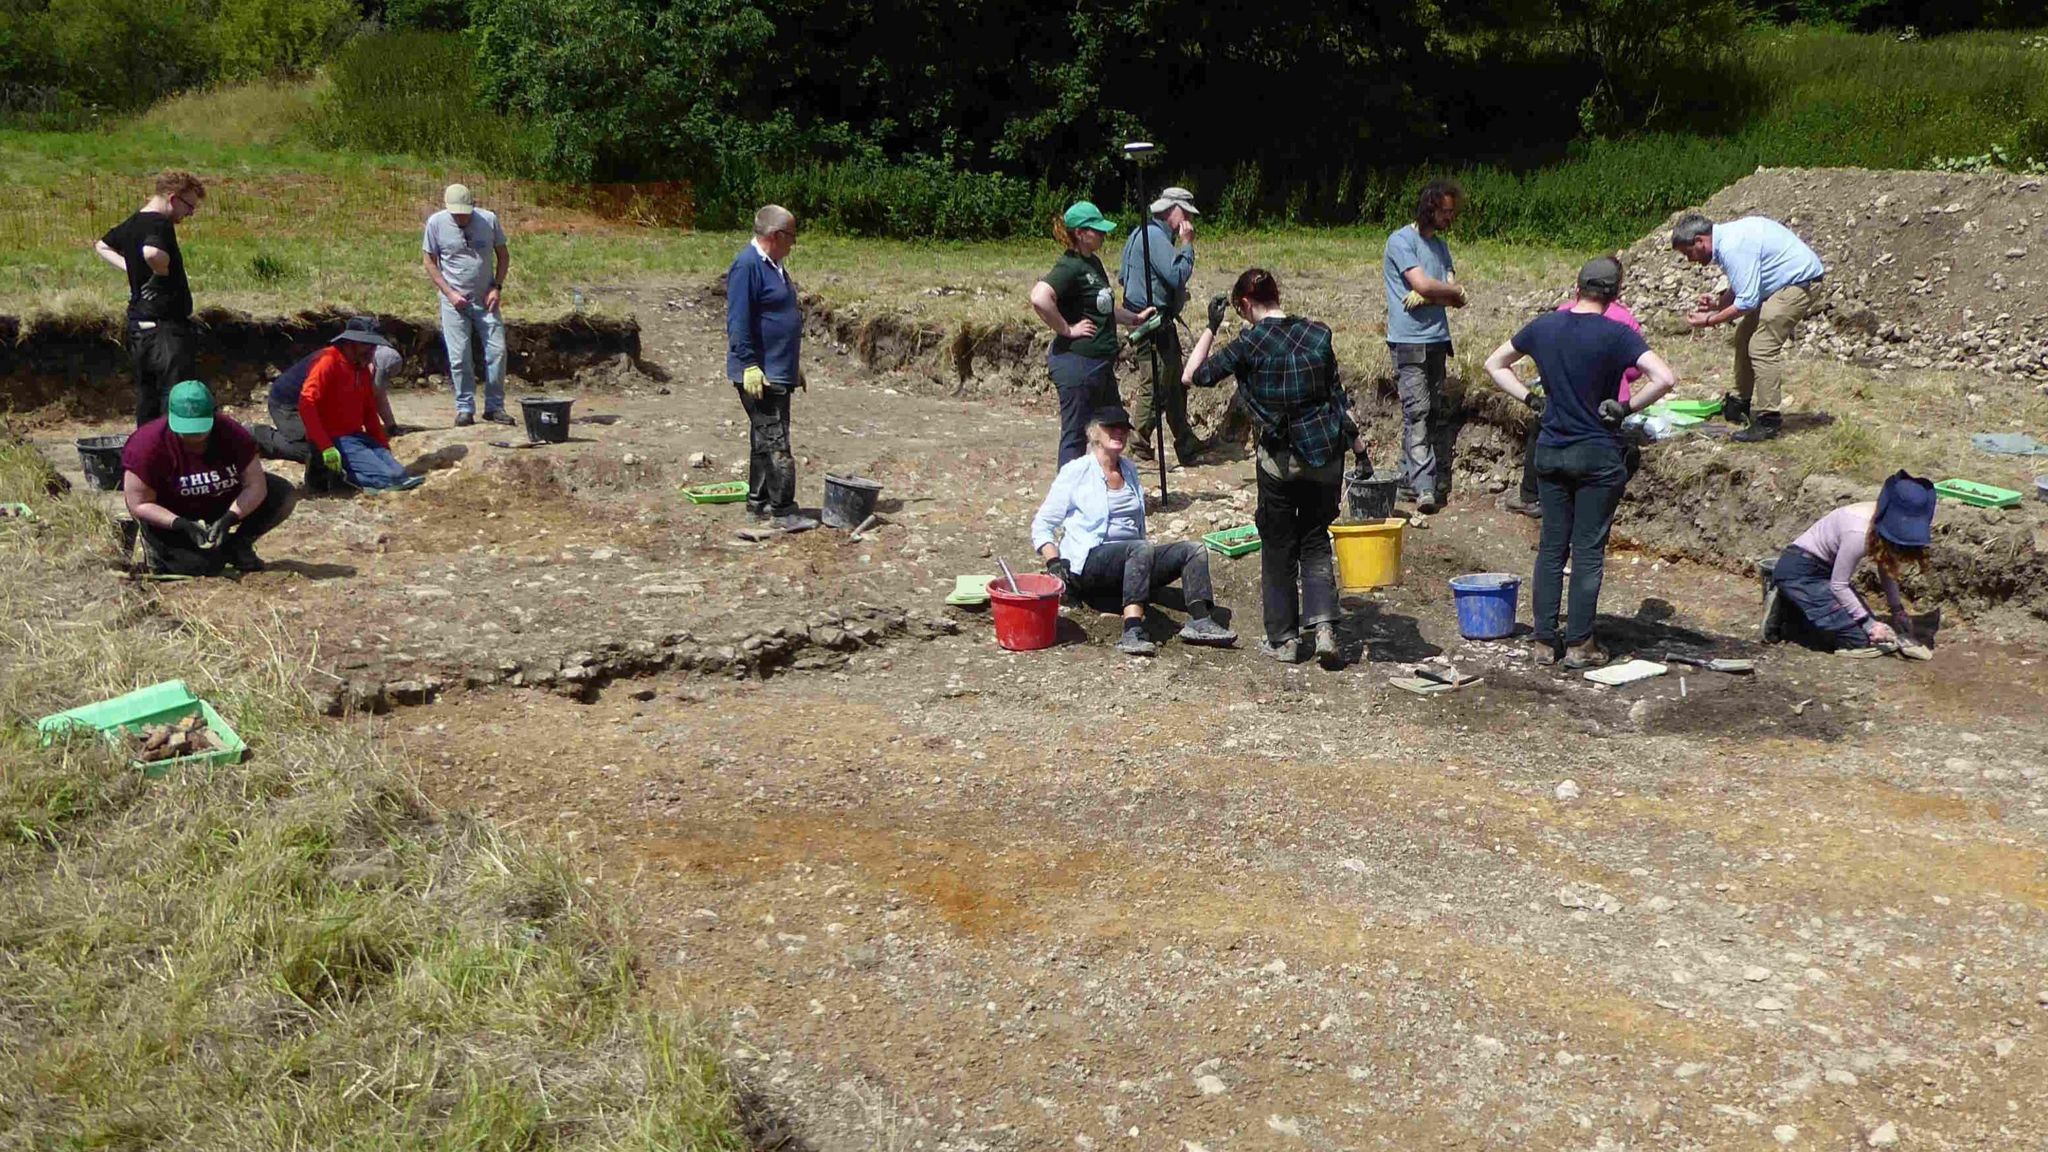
(1732, 667)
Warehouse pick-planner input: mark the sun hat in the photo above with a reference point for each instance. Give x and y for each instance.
(1086, 215)
(358, 336)
(1176, 197)
(362, 324)
(1905, 510)
(1111, 416)
(190, 410)
(459, 199)
(1601, 275)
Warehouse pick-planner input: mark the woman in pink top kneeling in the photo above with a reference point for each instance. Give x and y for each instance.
(1812, 584)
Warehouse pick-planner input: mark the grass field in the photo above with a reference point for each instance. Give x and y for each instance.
(295, 952)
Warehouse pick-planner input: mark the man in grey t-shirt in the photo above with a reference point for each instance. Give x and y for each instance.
(1419, 274)
(466, 257)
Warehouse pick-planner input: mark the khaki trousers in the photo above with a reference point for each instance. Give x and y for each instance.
(1762, 339)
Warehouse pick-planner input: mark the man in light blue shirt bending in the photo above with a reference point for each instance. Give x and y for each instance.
(1773, 282)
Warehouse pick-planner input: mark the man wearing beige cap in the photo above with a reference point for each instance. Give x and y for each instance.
(454, 252)
(1169, 240)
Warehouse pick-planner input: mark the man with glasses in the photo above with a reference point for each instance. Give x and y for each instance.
(457, 239)
(161, 342)
(764, 331)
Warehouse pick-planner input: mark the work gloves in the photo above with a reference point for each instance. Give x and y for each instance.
(193, 531)
(332, 459)
(217, 532)
(1413, 300)
(1058, 566)
(1535, 401)
(1612, 413)
(753, 382)
(1219, 307)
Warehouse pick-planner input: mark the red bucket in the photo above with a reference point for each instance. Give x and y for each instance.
(1029, 618)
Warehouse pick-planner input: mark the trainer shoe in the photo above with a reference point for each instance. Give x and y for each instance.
(500, 417)
(1585, 655)
(1286, 651)
(1206, 631)
(1542, 653)
(1134, 643)
(795, 522)
(1520, 507)
(1327, 652)
(1426, 503)
(464, 419)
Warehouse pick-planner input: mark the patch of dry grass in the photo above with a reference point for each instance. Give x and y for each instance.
(292, 952)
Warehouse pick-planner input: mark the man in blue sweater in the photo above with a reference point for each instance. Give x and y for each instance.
(764, 332)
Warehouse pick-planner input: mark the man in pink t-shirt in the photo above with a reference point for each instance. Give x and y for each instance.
(1524, 499)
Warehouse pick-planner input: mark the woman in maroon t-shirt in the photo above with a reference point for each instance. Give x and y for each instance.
(195, 484)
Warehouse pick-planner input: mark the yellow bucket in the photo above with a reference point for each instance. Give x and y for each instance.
(1368, 554)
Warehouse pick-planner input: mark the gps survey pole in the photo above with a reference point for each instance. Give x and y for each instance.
(1137, 152)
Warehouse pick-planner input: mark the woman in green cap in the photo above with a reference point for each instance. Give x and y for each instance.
(194, 482)
(1076, 301)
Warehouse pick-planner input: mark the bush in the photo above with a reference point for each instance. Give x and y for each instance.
(81, 56)
(920, 199)
(414, 93)
(258, 38)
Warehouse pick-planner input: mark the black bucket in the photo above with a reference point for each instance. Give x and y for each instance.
(100, 456)
(849, 500)
(547, 418)
(1368, 498)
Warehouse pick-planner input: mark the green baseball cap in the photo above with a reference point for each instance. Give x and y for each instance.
(1086, 215)
(191, 409)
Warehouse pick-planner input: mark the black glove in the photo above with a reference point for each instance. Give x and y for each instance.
(196, 533)
(1612, 413)
(1219, 307)
(1535, 401)
(1058, 566)
(218, 530)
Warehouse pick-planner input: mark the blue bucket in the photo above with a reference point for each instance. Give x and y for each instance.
(1486, 604)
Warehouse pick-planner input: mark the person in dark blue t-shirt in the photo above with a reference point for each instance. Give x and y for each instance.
(1580, 467)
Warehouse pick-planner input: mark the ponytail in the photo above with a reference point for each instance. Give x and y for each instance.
(1061, 235)
(1257, 286)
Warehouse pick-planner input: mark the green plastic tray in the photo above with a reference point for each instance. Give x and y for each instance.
(163, 703)
(1234, 542)
(1678, 419)
(1700, 408)
(730, 492)
(16, 512)
(1978, 495)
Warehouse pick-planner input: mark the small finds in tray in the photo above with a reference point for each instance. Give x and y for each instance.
(186, 737)
(1233, 542)
(729, 492)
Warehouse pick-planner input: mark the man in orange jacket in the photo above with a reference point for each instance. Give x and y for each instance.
(338, 406)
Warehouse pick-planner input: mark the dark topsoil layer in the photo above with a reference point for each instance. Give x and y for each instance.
(82, 368)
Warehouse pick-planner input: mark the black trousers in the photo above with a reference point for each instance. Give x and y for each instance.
(1297, 572)
(771, 469)
(1580, 487)
(1135, 569)
(1083, 384)
(163, 355)
(1631, 458)
(172, 554)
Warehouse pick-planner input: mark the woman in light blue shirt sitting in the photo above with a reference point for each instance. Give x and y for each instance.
(1097, 509)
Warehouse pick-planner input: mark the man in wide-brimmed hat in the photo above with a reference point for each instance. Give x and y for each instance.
(1160, 396)
(338, 406)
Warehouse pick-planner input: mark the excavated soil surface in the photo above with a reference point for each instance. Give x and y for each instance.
(949, 897)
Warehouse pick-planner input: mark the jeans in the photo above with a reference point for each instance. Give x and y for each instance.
(1297, 578)
(163, 355)
(1803, 580)
(370, 465)
(1631, 458)
(771, 469)
(1135, 569)
(1419, 378)
(172, 554)
(1083, 383)
(1580, 487)
(1159, 366)
(456, 326)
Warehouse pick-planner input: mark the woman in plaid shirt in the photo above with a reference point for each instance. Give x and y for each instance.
(1287, 377)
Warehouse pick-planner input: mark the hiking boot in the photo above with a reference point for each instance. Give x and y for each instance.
(1521, 507)
(1134, 643)
(464, 419)
(242, 557)
(1190, 455)
(1542, 653)
(1734, 409)
(1426, 503)
(1140, 450)
(500, 417)
(758, 513)
(1327, 652)
(1773, 629)
(1286, 651)
(1206, 631)
(1764, 427)
(1585, 655)
(795, 522)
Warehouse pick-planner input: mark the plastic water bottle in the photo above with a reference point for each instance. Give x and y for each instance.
(576, 294)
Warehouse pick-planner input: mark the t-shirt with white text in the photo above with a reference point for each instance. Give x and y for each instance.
(195, 485)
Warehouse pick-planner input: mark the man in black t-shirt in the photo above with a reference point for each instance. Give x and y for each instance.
(145, 247)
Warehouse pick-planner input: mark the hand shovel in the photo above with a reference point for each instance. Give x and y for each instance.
(1732, 667)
